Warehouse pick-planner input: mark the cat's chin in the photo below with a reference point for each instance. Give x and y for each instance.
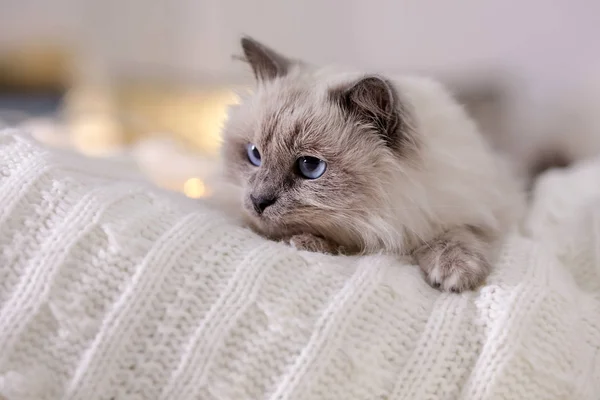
(266, 227)
(297, 235)
(262, 226)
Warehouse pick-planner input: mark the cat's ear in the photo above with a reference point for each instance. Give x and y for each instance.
(266, 63)
(373, 100)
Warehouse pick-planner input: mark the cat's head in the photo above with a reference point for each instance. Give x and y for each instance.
(311, 151)
(330, 153)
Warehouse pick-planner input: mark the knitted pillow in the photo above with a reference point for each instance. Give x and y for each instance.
(110, 289)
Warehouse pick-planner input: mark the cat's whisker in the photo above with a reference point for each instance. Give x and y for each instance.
(423, 241)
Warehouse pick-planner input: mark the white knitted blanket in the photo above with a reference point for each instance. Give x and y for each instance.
(112, 290)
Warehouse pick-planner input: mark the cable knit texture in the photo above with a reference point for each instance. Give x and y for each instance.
(112, 290)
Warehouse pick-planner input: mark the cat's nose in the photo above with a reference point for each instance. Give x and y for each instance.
(262, 202)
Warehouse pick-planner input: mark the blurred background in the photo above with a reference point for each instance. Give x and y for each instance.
(148, 81)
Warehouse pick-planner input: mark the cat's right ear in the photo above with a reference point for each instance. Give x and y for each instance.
(266, 63)
(373, 100)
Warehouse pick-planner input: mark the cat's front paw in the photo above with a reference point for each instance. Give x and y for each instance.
(452, 266)
(306, 241)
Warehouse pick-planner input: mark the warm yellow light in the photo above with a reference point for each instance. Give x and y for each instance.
(194, 188)
(96, 134)
(196, 116)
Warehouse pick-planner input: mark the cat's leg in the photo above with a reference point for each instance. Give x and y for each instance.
(306, 241)
(457, 260)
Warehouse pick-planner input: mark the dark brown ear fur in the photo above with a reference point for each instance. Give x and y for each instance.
(374, 101)
(266, 63)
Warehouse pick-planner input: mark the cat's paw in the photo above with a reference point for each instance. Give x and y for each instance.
(452, 266)
(306, 241)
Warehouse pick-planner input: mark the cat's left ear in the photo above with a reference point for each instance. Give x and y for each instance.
(266, 63)
(373, 100)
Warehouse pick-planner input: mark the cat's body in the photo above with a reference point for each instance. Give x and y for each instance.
(407, 171)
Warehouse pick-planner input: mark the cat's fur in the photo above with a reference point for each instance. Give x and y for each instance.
(408, 172)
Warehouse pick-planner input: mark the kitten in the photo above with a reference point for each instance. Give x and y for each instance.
(338, 161)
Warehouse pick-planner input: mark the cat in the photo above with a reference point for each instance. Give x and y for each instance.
(339, 161)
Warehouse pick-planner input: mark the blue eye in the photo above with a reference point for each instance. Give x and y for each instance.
(311, 167)
(253, 154)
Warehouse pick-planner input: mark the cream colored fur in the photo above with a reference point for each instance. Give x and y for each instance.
(443, 178)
